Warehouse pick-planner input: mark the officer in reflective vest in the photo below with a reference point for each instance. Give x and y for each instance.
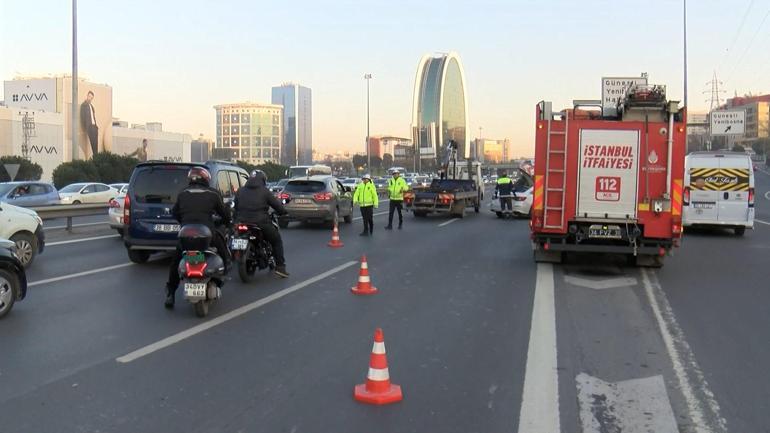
(504, 189)
(396, 188)
(366, 199)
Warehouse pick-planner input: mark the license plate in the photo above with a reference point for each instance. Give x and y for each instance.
(166, 228)
(302, 201)
(703, 205)
(604, 232)
(239, 244)
(195, 290)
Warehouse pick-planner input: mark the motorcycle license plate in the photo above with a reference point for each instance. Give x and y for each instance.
(166, 228)
(239, 244)
(604, 232)
(195, 290)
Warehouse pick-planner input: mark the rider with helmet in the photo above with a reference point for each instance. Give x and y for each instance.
(252, 206)
(197, 204)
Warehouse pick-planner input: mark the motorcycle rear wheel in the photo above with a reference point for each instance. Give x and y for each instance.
(201, 308)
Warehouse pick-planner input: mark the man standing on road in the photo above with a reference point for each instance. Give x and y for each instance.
(504, 190)
(366, 198)
(396, 188)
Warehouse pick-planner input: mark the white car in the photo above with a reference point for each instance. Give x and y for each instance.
(24, 228)
(121, 188)
(78, 193)
(116, 214)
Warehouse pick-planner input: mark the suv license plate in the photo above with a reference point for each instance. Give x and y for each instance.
(302, 201)
(166, 228)
(239, 244)
(604, 232)
(195, 290)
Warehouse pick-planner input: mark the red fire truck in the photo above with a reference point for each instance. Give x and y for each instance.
(609, 184)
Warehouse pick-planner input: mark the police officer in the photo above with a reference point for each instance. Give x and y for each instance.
(396, 188)
(366, 199)
(252, 204)
(504, 190)
(197, 204)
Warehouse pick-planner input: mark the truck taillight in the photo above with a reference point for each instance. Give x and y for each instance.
(126, 210)
(686, 196)
(445, 198)
(751, 197)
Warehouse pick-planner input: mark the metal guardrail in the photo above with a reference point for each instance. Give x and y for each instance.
(70, 211)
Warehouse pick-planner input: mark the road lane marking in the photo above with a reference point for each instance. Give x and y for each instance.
(373, 215)
(701, 404)
(76, 225)
(600, 284)
(74, 241)
(79, 274)
(195, 330)
(761, 222)
(540, 398)
(448, 222)
(767, 195)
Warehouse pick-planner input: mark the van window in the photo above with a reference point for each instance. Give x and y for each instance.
(159, 185)
(223, 184)
(234, 185)
(37, 189)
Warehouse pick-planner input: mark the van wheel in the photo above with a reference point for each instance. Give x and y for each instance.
(740, 231)
(138, 256)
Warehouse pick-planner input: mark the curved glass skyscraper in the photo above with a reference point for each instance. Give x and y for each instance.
(440, 108)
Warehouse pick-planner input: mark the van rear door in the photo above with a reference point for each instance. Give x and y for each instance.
(153, 193)
(735, 180)
(704, 195)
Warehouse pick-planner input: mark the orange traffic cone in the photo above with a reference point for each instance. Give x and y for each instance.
(364, 286)
(335, 242)
(378, 389)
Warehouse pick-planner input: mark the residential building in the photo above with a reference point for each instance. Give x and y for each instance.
(249, 132)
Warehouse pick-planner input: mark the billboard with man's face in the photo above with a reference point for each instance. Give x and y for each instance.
(95, 115)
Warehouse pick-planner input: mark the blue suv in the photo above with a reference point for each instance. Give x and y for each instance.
(152, 192)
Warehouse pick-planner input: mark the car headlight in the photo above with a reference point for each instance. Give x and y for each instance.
(39, 220)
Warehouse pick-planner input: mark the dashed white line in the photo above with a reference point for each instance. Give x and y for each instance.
(761, 222)
(374, 215)
(79, 274)
(75, 241)
(176, 338)
(540, 399)
(76, 225)
(448, 222)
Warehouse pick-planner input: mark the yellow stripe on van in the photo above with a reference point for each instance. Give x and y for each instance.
(719, 179)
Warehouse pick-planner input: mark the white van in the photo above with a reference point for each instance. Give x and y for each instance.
(719, 191)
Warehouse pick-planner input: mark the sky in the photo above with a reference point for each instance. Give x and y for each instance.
(172, 61)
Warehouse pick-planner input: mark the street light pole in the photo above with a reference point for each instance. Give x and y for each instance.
(74, 123)
(368, 77)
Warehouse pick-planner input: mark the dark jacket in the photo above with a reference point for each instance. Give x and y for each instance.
(197, 204)
(504, 185)
(85, 115)
(253, 201)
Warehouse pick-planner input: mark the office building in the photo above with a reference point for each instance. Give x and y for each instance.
(297, 147)
(249, 132)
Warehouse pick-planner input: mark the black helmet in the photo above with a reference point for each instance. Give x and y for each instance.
(260, 176)
(199, 176)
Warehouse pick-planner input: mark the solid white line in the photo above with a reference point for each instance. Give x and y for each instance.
(74, 241)
(373, 215)
(76, 225)
(176, 338)
(448, 222)
(540, 399)
(702, 406)
(79, 274)
(761, 222)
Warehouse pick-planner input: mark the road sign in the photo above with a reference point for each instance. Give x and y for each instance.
(12, 169)
(614, 89)
(728, 122)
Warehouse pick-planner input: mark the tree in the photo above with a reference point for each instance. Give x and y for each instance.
(359, 161)
(75, 171)
(114, 168)
(387, 160)
(27, 170)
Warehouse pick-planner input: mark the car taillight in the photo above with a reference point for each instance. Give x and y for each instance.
(751, 197)
(686, 196)
(195, 270)
(445, 198)
(519, 198)
(323, 196)
(126, 210)
(283, 196)
(243, 228)
(114, 204)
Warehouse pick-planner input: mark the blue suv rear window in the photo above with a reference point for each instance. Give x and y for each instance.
(160, 184)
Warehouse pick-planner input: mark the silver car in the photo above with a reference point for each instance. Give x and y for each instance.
(316, 199)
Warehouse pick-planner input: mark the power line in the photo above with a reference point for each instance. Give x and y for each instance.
(748, 47)
(738, 33)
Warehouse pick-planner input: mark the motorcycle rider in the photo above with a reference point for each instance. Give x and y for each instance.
(252, 203)
(504, 189)
(197, 204)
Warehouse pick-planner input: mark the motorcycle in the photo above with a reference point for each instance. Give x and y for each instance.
(250, 250)
(201, 269)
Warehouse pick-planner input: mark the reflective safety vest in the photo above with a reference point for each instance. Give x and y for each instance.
(397, 188)
(366, 195)
(504, 185)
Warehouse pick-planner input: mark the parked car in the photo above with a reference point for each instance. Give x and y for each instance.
(13, 278)
(78, 193)
(278, 186)
(25, 228)
(316, 199)
(29, 194)
(152, 192)
(121, 188)
(116, 214)
(522, 201)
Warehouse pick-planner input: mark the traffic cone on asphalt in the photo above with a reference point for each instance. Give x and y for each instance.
(335, 242)
(378, 389)
(364, 286)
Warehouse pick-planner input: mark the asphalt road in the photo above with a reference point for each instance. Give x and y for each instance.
(479, 337)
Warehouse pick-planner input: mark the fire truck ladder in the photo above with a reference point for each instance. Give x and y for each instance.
(556, 146)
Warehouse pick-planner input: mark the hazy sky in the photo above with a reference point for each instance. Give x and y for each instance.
(171, 61)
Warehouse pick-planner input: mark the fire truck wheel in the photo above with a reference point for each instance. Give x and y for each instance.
(649, 261)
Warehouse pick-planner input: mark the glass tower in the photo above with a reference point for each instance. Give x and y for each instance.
(297, 123)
